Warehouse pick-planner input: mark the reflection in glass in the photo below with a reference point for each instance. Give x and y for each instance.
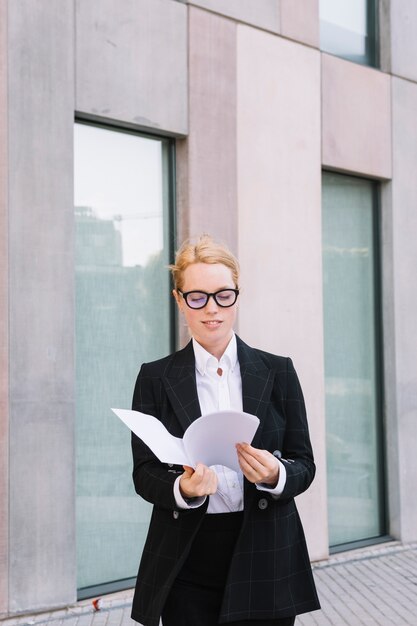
(351, 368)
(122, 320)
(348, 29)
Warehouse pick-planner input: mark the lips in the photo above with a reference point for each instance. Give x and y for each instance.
(212, 323)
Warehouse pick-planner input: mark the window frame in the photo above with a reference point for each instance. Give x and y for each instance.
(381, 438)
(169, 147)
(372, 56)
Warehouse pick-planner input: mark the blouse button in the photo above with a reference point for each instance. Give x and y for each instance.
(175, 514)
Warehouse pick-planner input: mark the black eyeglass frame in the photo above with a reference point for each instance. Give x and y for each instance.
(208, 296)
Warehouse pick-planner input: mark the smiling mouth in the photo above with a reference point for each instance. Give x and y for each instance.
(212, 322)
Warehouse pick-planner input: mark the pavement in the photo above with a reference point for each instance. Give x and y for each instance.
(374, 586)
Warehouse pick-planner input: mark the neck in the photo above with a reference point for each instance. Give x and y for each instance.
(218, 350)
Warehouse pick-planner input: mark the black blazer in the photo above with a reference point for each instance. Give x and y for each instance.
(270, 574)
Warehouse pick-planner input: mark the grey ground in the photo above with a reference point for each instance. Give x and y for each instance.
(374, 586)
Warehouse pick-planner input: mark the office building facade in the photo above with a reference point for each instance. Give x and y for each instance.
(287, 129)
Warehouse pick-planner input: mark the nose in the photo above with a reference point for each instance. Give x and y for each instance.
(211, 306)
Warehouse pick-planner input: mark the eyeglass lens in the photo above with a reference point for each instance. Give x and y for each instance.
(199, 299)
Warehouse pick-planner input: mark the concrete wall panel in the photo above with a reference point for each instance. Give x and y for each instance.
(403, 22)
(207, 195)
(132, 62)
(356, 114)
(4, 324)
(279, 200)
(262, 13)
(400, 294)
(384, 32)
(41, 110)
(300, 21)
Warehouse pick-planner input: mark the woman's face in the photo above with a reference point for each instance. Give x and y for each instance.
(211, 326)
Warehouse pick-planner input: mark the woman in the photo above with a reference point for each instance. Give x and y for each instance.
(222, 547)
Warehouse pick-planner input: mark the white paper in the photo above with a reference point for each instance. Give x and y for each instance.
(166, 447)
(210, 439)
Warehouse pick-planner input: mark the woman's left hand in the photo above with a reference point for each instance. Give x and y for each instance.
(259, 466)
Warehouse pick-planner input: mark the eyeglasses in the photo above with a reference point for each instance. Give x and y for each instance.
(199, 299)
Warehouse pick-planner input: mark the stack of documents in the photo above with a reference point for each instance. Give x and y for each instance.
(210, 439)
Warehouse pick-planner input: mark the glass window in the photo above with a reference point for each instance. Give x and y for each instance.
(352, 383)
(348, 29)
(123, 318)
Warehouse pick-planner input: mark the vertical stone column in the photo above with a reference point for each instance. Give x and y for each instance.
(279, 192)
(400, 303)
(399, 228)
(41, 299)
(207, 158)
(4, 321)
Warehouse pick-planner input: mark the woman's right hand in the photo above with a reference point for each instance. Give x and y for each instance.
(201, 481)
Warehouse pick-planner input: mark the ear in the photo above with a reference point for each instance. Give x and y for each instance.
(178, 299)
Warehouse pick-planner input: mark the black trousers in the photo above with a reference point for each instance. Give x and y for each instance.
(196, 596)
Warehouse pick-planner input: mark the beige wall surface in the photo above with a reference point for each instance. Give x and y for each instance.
(131, 63)
(41, 300)
(262, 13)
(356, 114)
(402, 298)
(300, 20)
(295, 19)
(207, 158)
(403, 27)
(4, 321)
(279, 201)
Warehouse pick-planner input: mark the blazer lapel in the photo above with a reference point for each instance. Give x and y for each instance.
(257, 382)
(181, 387)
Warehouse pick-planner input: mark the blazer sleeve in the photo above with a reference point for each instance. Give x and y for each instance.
(297, 453)
(153, 480)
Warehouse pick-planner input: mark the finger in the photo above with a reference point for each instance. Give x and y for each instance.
(199, 471)
(265, 459)
(200, 478)
(208, 479)
(257, 472)
(248, 462)
(258, 454)
(248, 470)
(246, 450)
(252, 461)
(204, 483)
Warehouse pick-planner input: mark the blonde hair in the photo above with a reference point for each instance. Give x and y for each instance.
(205, 250)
